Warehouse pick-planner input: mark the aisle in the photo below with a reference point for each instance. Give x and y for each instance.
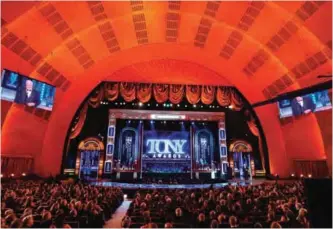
(115, 221)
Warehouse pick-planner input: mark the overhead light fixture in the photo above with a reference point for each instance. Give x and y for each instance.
(167, 116)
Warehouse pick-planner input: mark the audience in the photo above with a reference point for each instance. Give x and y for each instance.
(37, 204)
(265, 205)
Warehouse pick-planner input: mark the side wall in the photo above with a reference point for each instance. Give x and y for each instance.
(307, 137)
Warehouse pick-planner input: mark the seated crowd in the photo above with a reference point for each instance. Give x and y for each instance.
(265, 205)
(36, 204)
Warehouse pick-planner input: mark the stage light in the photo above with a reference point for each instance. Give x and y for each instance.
(157, 105)
(12, 175)
(292, 174)
(1, 175)
(213, 106)
(302, 175)
(230, 106)
(124, 103)
(140, 104)
(194, 106)
(201, 106)
(192, 123)
(185, 105)
(167, 116)
(178, 105)
(125, 196)
(171, 105)
(140, 121)
(23, 174)
(148, 104)
(309, 175)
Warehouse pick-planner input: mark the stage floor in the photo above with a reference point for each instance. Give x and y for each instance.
(178, 186)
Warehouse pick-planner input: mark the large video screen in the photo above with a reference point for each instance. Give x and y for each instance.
(24, 90)
(301, 105)
(166, 152)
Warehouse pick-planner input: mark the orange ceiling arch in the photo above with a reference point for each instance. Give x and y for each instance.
(159, 9)
(262, 48)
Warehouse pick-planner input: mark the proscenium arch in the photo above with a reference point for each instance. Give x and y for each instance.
(240, 143)
(71, 100)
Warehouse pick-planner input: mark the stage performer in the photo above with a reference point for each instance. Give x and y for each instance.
(27, 95)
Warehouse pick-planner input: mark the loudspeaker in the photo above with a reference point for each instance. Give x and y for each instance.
(319, 194)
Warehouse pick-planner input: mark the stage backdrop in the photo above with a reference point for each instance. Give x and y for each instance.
(166, 152)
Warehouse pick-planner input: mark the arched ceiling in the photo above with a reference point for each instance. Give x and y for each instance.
(262, 48)
(271, 47)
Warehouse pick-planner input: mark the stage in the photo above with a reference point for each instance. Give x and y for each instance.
(179, 186)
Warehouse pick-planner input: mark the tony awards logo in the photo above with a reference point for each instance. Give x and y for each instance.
(165, 146)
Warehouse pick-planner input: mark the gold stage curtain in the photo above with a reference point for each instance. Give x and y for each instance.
(96, 97)
(223, 96)
(193, 93)
(127, 91)
(161, 92)
(79, 122)
(207, 94)
(255, 131)
(176, 93)
(143, 92)
(236, 101)
(111, 91)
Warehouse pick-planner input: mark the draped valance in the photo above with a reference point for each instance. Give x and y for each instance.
(225, 96)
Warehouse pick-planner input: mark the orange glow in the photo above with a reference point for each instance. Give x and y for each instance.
(161, 61)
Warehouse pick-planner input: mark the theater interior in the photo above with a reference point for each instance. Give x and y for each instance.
(166, 114)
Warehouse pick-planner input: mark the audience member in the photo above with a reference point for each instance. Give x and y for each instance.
(37, 204)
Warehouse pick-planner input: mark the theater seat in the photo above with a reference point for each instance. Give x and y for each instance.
(181, 225)
(73, 224)
(136, 225)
